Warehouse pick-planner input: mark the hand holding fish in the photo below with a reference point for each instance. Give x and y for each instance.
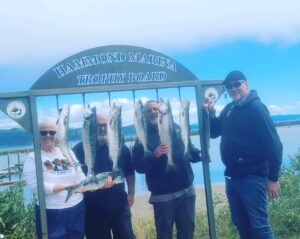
(81, 189)
(108, 183)
(160, 150)
(209, 105)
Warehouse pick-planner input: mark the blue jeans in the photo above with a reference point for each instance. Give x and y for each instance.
(247, 199)
(67, 223)
(180, 211)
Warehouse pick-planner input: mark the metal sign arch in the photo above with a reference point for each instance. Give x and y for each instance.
(110, 69)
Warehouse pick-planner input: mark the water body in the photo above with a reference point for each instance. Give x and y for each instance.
(288, 135)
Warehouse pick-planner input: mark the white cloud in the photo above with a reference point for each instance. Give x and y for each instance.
(6, 123)
(36, 31)
(283, 109)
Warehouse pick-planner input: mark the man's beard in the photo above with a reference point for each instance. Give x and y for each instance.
(101, 139)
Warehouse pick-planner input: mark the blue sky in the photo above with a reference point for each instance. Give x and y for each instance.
(210, 38)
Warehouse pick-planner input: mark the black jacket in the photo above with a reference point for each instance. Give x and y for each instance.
(111, 198)
(249, 141)
(158, 181)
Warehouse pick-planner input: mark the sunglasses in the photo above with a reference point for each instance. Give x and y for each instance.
(50, 132)
(234, 85)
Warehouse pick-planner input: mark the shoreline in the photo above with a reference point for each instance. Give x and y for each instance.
(141, 208)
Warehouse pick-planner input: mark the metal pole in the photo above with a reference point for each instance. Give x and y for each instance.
(133, 93)
(8, 167)
(109, 99)
(57, 103)
(205, 165)
(38, 165)
(19, 166)
(179, 92)
(83, 99)
(156, 90)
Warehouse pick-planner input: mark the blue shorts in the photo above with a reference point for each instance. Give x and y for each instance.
(63, 223)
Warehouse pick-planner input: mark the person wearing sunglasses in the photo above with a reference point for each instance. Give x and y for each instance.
(64, 220)
(252, 153)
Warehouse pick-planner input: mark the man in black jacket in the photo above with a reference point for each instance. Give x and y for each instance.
(252, 153)
(172, 193)
(108, 210)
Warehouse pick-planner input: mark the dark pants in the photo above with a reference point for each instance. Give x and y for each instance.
(247, 199)
(100, 224)
(67, 223)
(180, 211)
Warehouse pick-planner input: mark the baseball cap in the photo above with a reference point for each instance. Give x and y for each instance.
(234, 76)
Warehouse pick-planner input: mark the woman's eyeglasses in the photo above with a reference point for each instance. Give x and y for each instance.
(50, 132)
(235, 85)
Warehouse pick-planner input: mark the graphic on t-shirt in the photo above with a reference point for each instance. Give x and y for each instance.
(58, 165)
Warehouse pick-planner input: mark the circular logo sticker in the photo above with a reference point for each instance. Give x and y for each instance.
(211, 94)
(16, 109)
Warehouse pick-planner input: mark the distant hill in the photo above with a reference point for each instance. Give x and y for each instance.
(15, 137)
(18, 137)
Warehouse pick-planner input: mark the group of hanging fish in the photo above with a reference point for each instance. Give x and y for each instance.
(115, 139)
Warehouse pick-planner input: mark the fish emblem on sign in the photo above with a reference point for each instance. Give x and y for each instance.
(16, 109)
(212, 94)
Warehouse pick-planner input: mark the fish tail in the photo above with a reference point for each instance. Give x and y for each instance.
(117, 173)
(70, 191)
(187, 156)
(170, 168)
(118, 176)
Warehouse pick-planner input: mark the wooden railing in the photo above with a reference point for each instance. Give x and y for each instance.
(6, 173)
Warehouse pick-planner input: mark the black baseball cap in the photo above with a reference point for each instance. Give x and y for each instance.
(234, 76)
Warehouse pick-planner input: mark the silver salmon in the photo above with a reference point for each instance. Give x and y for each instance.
(166, 130)
(140, 123)
(89, 138)
(114, 137)
(92, 184)
(62, 128)
(184, 122)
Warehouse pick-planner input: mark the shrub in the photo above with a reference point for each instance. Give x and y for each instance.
(284, 211)
(16, 218)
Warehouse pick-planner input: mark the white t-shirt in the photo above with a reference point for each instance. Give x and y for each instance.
(56, 169)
